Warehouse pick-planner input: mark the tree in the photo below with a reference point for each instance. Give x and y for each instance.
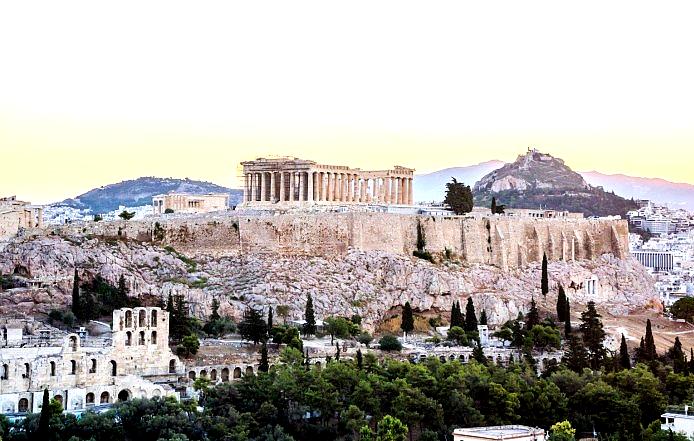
(493, 207)
(457, 317)
(264, 364)
(458, 197)
(483, 317)
(189, 346)
(76, 301)
(575, 356)
(478, 354)
(561, 304)
(407, 324)
(126, 215)
(283, 311)
(545, 278)
(215, 310)
(309, 327)
(337, 351)
(470, 316)
(567, 322)
(457, 335)
(624, 358)
(650, 353)
(562, 431)
(391, 429)
(253, 327)
(269, 318)
(593, 335)
(683, 309)
(677, 357)
(390, 343)
(44, 419)
(532, 319)
(337, 327)
(168, 211)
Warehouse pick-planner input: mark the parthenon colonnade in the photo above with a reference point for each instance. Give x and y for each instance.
(292, 180)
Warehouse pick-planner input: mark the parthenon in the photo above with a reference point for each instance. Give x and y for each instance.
(293, 180)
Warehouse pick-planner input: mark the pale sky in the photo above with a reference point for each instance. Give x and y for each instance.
(92, 93)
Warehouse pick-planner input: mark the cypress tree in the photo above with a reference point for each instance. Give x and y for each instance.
(690, 365)
(45, 418)
(567, 328)
(122, 291)
(455, 315)
(576, 356)
(337, 351)
(360, 359)
(407, 324)
(309, 327)
(493, 207)
(561, 305)
(76, 302)
(532, 319)
(624, 359)
(641, 351)
(567, 322)
(483, 317)
(676, 354)
(470, 316)
(650, 352)
(264, 364)
(253, 327)
(269, 319)
(545, 277)
(478, 354)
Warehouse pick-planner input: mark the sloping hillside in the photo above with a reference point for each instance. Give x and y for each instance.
(137, 192)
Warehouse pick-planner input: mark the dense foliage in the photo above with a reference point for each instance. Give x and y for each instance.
(458, 197)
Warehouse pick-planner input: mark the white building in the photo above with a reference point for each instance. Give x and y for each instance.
(679, 421)
(499, 433)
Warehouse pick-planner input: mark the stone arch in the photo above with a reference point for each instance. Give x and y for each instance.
(73, 342)
(213, 375)
(153, 339)
(249, 370)
(5, 374)
(92, 367)
(73, 367)
(27, 370)
(203, 373)
(124, 395)
(142, 318)
(22, 271)
(156, 393)
(23, 405)
(128, 319)
(225, 375)
(114, 368)
(442, 358)
(237, 372)
(191, 375)
(89, 398)
(153, 319)
(172, 366)
(128, 338)
(105, 398)
(141, 339)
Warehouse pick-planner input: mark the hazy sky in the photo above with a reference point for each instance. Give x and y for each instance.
(96, 92)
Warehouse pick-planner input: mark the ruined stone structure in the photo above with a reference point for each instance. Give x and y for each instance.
(82, 372)
(293, 180)
(16, 215)
(190, 203)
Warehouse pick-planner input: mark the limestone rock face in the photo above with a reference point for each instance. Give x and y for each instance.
(369, 283)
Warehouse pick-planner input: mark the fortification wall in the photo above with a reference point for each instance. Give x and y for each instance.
(500, 241)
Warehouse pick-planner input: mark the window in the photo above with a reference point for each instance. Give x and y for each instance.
(191, 375)
(172, 366)
(141, 340)
(89, 399)
(128, 319)
(154, 338)
(27, 370)
(225, 375)
(5, 374)
(52, 368)
(73, 343)
(23, 405)
(154, 318)
(213, 375)
(92, 367)
(73, 367)
(114, 368)
(105, 398)
(142, 319)
(128, 338)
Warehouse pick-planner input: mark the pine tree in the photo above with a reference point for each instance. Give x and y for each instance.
(483, 317)
(470, 316)
(264, 364)
(253, 327)
(575, 356)
(545, 278)
(478, 354)
(309, 327)
(567, 328)
(493, 207)
(407, 324)
(45, 418)
(593, 335)
(360, 359)
(567, 322)
(690, 365)
(76, 301)
(624, 359)
(641, 351)
(650, 352)
(561, 304)
(532, 319)
(269, 319)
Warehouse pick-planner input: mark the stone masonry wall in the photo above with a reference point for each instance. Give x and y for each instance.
(500, 241)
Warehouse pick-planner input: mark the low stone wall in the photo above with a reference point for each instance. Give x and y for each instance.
(500, 241)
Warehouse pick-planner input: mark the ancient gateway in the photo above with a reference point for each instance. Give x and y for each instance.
(293, 180)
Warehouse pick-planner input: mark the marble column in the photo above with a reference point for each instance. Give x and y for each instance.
(263, 187)
(291, 186)
(406, 191)
(252, 185)
(362, 192)
(273, 185)
(311, 177)
(411, 190)
(245, 187)
(387, 190)
(282, 189)
(345, 187)
(302, 184)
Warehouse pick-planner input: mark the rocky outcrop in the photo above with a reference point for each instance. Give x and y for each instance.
(368, 283)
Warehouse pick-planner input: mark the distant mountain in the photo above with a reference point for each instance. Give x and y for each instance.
(538, 180)
(138, 192)
(432, 186)
(658, 190)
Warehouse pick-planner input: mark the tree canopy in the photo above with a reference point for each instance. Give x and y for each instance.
(458, 197)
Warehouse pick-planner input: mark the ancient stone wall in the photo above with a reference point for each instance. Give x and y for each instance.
(500, 241)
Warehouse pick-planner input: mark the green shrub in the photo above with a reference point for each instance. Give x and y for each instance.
(390, 343)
